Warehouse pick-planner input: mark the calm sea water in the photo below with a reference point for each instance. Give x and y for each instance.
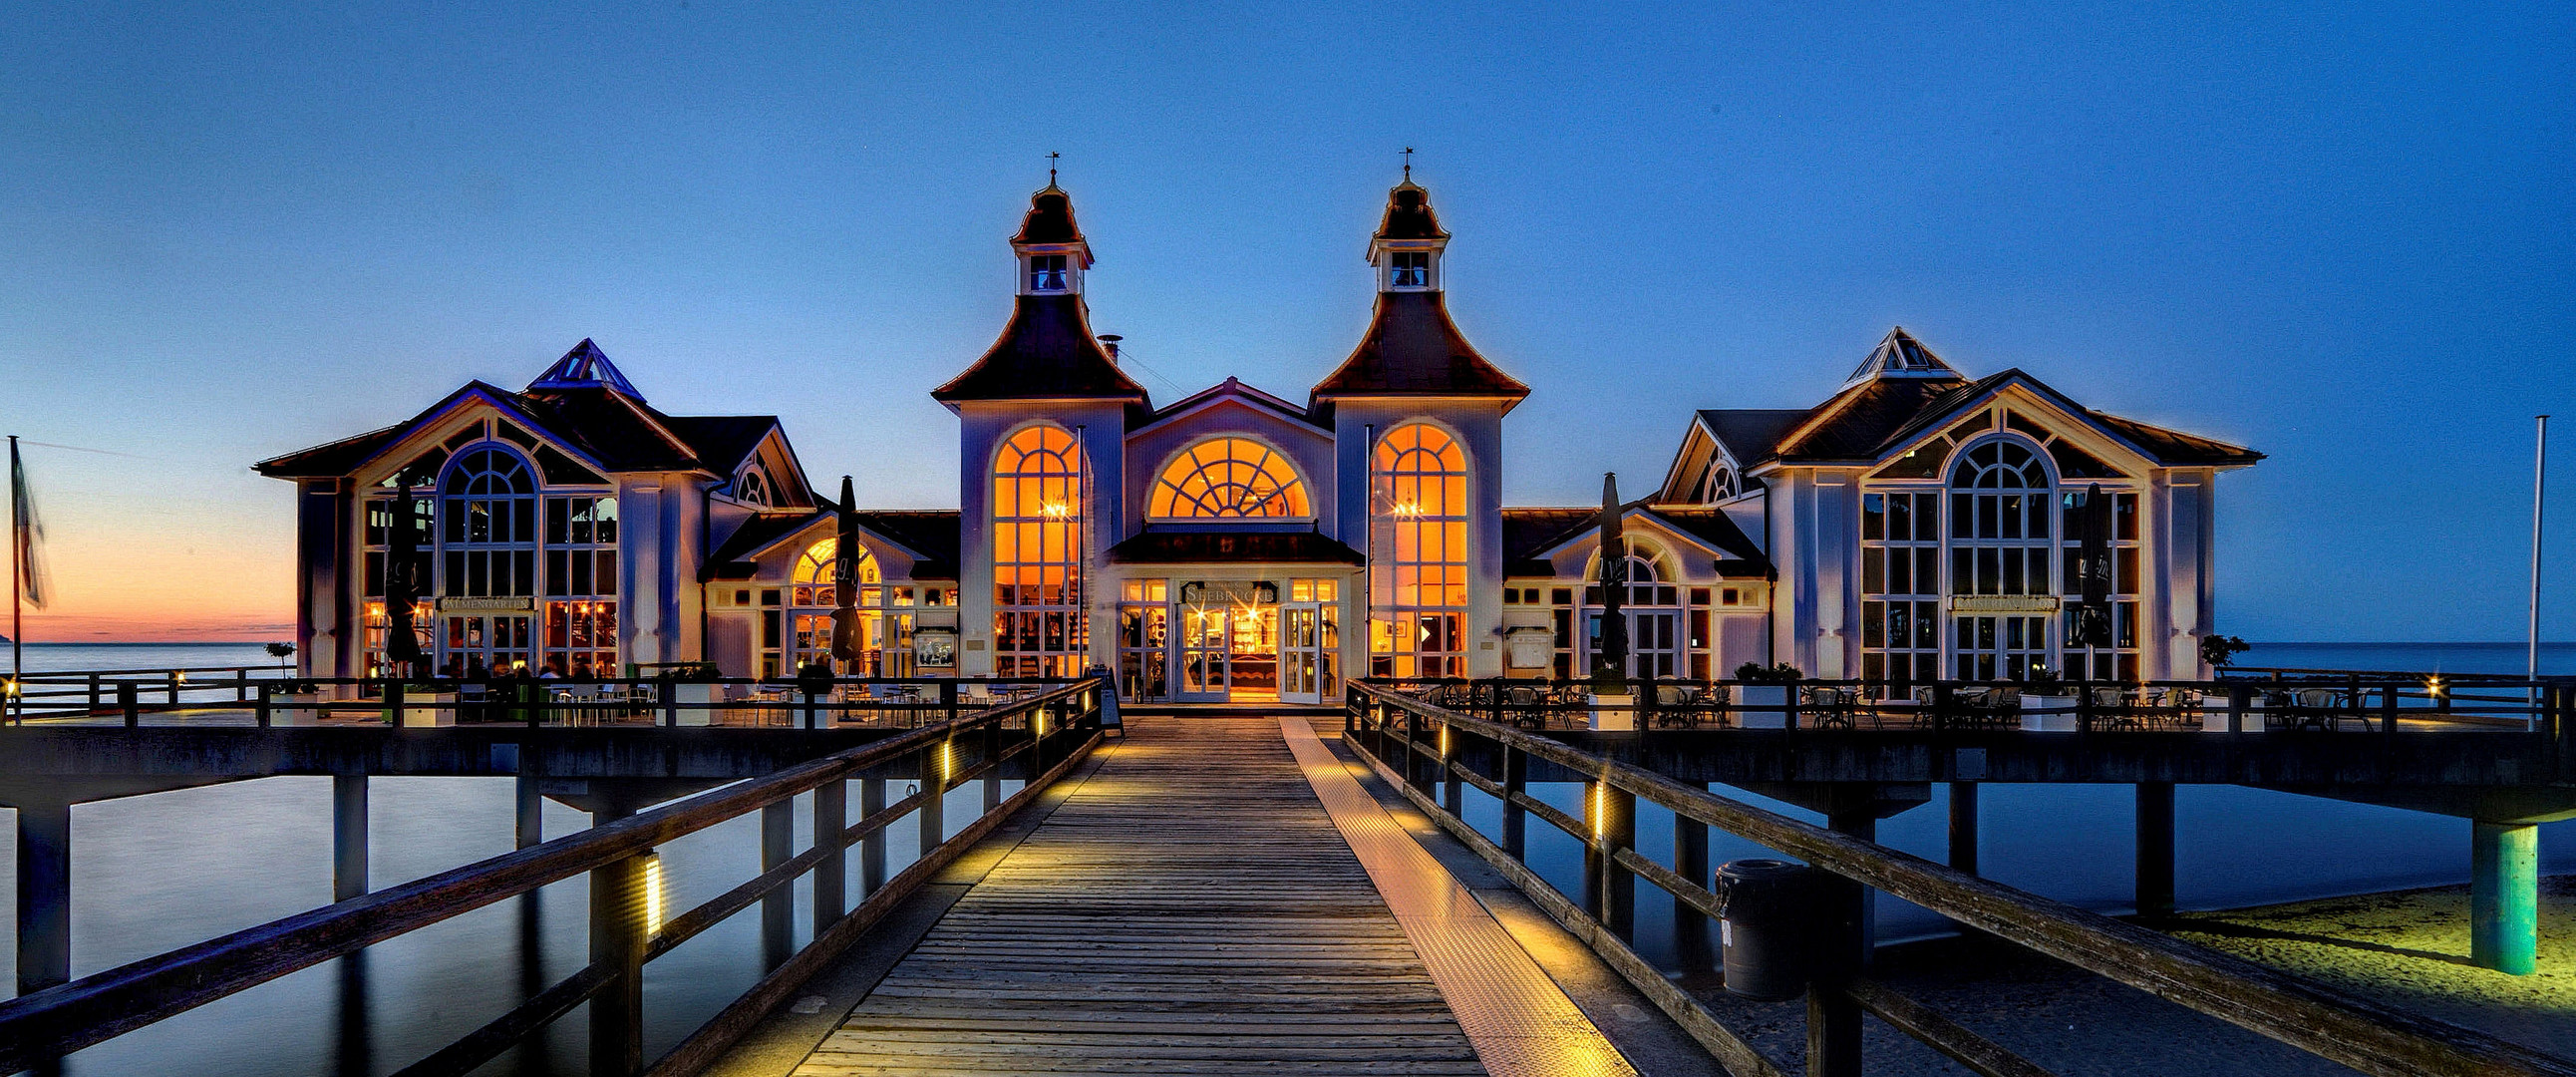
(156, 872)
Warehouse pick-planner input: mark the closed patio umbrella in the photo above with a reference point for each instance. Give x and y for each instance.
(845, 579)
(1610, 652)
(402, 586)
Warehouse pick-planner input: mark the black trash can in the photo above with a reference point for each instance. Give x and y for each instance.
(1766, 927)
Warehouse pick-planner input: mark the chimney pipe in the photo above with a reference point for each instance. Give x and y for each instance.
(1110, 341)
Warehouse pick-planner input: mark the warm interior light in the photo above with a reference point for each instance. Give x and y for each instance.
(1056, 509)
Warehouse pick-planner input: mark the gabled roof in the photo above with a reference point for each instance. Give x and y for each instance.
(607, 428)
(1413, 349)
(1531, 534)
(930, 536)
(584, 367)
(1229, 389)
(1876, 416)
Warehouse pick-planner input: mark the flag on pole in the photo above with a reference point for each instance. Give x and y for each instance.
(27, 536)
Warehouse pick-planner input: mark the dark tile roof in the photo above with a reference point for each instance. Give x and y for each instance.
(1234, 388)
(932, 533)
(722, 441)
(1408, 214)
(1157, 547)
(1529, 533)
(1050, 219)
(1750, 434)
(2176, 447)
(1715, 527)
(1412, 348)
(616, 431)
(1047, 352)
(333, 459)
(1873, 418)
(731, 559)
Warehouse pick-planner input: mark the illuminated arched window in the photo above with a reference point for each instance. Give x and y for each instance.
(487, 549)
(2001, 506)
(1418, 554)
(1228, 477)
(1038, 624)
(814, 594)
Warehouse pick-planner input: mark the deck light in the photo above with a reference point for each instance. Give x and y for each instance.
(1600, 807)
(2433, 684)
(655, 897)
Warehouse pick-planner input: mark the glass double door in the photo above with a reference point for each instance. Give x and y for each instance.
(1229, 652)
(477, 646)
(1310, 649)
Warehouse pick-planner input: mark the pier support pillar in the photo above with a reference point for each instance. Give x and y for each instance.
(2155, 849)
(2504, 896)
(348, 836)
(44, 894)
(832, 872)
(1963, 826)
(1690, 926)
(872, 849)
(777, 907)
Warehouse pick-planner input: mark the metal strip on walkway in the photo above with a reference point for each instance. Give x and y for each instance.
(1520, 1022)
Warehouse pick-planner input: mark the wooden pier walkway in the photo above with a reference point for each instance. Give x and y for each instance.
(1193, 908)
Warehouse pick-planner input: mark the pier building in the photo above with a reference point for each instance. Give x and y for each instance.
(1241, 545)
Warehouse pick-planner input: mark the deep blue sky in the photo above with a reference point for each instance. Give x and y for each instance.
(2341, 236)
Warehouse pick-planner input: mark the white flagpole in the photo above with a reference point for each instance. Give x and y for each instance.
(2539, 478)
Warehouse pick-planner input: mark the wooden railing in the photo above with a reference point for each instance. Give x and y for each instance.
(1058, 725)
(2380, 703)
(139, 695)
(1405, 738)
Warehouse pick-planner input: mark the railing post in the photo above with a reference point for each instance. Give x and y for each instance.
(1619, 831)
(1515, 778)
(174, 689)
(948, 700)
(2237, 697)
(1690, 926)
(93, 696)
(1453, 788)
(1942, 695)
(127, 701)
(831, 873)
(241, 686)
(393, 703)
(934, 782)
(872, 848)
(267, 703)
(668, 694)
(617, 936)
(813, 698)
(777, 907)
(993, 774)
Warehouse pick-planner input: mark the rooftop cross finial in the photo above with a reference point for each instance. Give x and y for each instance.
(1408, 164)
(1051, 157)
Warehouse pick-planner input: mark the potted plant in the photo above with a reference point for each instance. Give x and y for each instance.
(2219, 652)
(2047, 701)
(692, 687)
(1765, 692)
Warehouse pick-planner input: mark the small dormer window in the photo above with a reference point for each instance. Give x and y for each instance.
(1046, 272)
(1409, 269)
(752, 488)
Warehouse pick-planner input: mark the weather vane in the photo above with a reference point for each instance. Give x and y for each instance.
(1408, 164)
(1051, 168)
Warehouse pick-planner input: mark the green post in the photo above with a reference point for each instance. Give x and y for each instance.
(2504, 896)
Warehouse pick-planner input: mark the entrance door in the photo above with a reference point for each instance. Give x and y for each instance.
(1309, 644)
(486, 645)
(1204, 654)
(1999, 648)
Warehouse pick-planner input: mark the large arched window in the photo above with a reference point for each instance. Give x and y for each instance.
(814, 594)
(1229, 478)
(2001, 504)
(1418, 554)
(487, 515)
(1038, 624)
